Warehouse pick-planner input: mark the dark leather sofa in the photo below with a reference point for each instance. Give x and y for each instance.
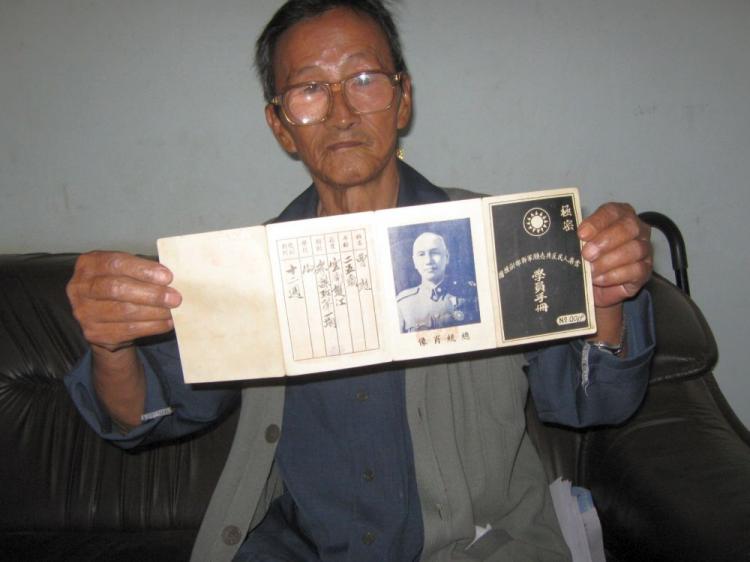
(673, 483)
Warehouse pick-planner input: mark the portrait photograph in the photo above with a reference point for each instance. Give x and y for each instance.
(434, 275)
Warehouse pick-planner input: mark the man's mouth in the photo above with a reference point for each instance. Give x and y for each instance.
(344, 145)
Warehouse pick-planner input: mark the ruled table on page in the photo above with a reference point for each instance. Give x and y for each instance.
(328, 294)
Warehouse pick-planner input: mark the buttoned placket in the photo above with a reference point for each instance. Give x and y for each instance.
(379, 485)
(413, 190)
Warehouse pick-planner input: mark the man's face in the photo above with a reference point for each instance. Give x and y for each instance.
(347, 149)
(430, 257)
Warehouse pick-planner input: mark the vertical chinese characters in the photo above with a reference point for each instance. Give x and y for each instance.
(540, 295)
(328, 294)
(566, 213)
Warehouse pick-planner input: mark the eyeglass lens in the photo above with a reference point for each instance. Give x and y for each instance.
(366, 92)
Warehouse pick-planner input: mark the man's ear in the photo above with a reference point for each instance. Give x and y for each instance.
(280, 130)
(404, 103)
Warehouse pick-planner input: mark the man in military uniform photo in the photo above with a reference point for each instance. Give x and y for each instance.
(435, 302)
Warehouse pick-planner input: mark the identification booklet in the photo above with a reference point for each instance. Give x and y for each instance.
(338, 292)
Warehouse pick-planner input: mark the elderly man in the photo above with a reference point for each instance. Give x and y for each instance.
(401, 463)
(435, 302)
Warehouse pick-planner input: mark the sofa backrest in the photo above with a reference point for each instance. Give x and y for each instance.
(56, 473)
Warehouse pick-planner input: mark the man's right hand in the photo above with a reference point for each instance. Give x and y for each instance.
(118, 298)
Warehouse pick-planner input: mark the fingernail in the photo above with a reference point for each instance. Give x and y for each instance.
(598, 280)
(160, 275)
(585, 230)
(590, 252)
(172, 298)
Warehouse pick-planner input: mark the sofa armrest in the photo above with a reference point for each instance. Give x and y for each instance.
(672, 484)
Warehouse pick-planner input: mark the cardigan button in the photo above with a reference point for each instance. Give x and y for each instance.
(231, 535)
(273, 432)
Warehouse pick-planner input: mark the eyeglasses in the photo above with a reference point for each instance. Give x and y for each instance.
(311, 102)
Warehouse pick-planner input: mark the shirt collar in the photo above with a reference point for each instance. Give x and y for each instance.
(435, 291)
(414, 189)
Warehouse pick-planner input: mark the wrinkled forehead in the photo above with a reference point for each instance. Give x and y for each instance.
(429, 241)
(337, 38)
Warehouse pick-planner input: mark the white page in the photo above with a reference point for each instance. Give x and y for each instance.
(458, 317)
(324, 271)
(570, 521)
(226, 326)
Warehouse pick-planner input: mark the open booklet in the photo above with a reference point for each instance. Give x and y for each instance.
(338, 292)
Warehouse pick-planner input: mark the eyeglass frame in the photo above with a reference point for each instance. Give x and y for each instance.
(277, 101)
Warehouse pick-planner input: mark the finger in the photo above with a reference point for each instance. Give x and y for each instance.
(632, 276)
(108, 312)
(602, 218)
(630, 252)
(129, 290)
(626, 228)
(608, 296)
(115, 335)
(122, 264)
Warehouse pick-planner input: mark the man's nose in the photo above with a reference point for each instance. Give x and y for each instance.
(342, 116)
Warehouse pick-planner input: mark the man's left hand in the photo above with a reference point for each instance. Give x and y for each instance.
(618, 245)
